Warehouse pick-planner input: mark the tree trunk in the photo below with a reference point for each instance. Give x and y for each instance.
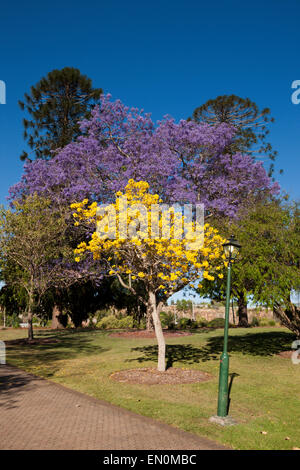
(30, 314)
(193, 312)
(29, 321)
(289, 316)
(56, 318)
(242, 310)
(149, 318)
(154, 311)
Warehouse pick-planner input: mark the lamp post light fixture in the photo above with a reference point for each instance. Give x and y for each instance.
(231, 250)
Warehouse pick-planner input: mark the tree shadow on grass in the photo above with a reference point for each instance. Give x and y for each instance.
(253, 344)
(49, 348)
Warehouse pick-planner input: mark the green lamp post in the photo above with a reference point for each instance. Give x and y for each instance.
(231, 250)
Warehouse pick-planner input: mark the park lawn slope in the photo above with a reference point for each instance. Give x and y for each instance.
(265, 386)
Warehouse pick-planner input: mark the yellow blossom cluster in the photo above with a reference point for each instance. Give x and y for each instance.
(160, 248)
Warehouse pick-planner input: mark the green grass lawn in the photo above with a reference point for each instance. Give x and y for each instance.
(264, 394)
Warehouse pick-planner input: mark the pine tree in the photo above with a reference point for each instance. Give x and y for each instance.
(250, 122)
(55, 105)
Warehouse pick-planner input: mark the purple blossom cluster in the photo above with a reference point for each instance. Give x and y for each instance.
(184, 162)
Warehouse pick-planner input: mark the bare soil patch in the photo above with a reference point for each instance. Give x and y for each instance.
(287, 354)
(148, 376)
(148, 334)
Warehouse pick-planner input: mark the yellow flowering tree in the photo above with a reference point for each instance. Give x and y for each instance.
(143, 243)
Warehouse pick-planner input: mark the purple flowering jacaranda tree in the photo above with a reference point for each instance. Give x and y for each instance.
(183, 162)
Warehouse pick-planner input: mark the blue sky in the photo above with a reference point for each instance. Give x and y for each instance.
(167, 57)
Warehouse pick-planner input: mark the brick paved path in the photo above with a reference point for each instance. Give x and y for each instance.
(39, 414)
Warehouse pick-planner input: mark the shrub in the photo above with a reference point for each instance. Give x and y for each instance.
(187, 323)
(265, 322)
(36, 321)
(13, 321)
(183, 323)
(167, 320)
(142, 324)
(255, 321)
(217, 323)
(126, 322)
(202, 322)
(108, 322)
(45, 322)
(193, 324)
(99, 314)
